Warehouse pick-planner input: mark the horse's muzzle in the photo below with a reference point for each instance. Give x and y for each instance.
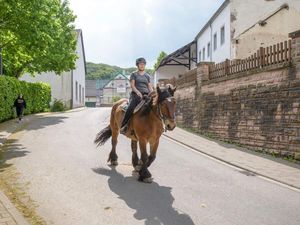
(170, 125)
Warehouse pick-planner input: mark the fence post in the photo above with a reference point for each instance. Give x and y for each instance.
(261, 56)
(227, 67)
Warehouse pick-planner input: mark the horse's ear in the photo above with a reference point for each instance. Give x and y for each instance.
(172, 90)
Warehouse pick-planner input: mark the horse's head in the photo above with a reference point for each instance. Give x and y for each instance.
(166, 105)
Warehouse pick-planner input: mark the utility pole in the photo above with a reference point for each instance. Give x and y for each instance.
(1, 66)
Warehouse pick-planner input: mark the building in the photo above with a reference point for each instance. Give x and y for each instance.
(177, 63)
(94, 92)
(236, 30)
(69, 87)
(237, 24)
(117, 87)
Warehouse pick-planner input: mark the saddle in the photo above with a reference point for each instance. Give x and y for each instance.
(144, 101)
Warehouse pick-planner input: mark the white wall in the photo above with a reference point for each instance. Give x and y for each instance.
(60, 85)
(168, 72)
(79, 75)
(247, 12)
(223, 51)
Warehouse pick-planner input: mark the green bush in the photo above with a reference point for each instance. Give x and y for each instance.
(37, 96)
(116, 98)
(58, 106)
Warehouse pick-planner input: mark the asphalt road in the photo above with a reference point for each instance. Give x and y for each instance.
(72, 184)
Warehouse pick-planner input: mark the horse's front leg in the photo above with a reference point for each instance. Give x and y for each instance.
(135, 158)
(145, 175)
(153, 150)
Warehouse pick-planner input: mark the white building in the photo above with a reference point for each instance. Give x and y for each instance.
(236, 30)
(219, 39)
(69, 87)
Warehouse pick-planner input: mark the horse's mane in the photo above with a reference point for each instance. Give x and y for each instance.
(155, 98)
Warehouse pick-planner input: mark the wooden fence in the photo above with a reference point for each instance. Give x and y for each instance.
(272, 55)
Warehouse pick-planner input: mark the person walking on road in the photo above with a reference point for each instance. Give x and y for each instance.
(20, 105)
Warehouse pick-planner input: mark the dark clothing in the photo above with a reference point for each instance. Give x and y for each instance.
(20, 104)
(141, 81)
(133, 102)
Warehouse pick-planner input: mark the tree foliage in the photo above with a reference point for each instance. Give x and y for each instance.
(161, 56)
(104, 71)
(37, 36)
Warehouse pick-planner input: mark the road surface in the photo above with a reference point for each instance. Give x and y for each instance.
(71, 183)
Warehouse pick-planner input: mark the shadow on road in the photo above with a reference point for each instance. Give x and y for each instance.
(152, 202)
(40, 122)
(11, 149)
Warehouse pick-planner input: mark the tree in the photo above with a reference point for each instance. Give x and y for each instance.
(37, 36)
(161, 56)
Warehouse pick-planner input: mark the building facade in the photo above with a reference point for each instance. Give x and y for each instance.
(117, 87)
(236, 30)
(69, 87)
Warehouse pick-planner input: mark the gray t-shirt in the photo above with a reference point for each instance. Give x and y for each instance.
(141, 81)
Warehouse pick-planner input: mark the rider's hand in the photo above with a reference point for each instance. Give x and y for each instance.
(140, 95)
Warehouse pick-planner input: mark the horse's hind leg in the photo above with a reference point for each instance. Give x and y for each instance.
(135, 158)
(113, 157)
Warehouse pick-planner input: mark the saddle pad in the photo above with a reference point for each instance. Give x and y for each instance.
(136, 109)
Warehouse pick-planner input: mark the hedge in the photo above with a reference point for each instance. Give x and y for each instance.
(36, 95)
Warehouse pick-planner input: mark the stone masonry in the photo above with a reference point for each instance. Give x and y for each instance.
(260, 109)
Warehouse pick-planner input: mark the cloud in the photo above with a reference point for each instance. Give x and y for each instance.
(118, 31)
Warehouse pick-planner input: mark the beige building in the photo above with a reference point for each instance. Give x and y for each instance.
(118, 86)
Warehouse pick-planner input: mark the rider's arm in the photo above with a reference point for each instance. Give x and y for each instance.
(132, 84)
(150, 87)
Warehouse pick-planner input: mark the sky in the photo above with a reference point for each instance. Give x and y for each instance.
(116, 32)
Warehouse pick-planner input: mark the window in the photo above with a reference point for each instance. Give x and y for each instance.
(199, 56)
(203, 54)
(208, 50)
(222, 35)
(82, 94)
(76, 91)
(215, 41)
(79, 92)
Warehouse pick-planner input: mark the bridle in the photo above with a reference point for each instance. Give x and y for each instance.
(161, 116)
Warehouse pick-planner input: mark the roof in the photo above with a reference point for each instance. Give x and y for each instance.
(90, 88)
(175, 54)
(114, 76)
(215, 15)
(101, 83)
(79, 35)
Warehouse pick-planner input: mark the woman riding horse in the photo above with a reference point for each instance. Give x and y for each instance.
(146, 126)
(141, 86)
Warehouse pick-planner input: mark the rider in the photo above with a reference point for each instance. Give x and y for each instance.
(140, 85)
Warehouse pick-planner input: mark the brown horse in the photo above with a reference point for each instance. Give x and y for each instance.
(146, 126)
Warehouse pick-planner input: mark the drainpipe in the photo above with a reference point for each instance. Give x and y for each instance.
(72, 93)
(211, 42)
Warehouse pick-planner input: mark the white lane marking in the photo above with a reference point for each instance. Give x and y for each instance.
(233, 166)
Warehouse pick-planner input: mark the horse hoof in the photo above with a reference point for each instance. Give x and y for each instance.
(148, 180)
(114, 163)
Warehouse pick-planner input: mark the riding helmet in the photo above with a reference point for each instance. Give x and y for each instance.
(140, 60)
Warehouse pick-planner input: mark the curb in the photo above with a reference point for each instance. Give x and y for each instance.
(233, 164)
(11, 209)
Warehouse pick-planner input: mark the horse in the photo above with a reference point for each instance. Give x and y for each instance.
(146, 126)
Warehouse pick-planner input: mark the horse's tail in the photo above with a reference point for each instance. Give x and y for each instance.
(103, 136)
